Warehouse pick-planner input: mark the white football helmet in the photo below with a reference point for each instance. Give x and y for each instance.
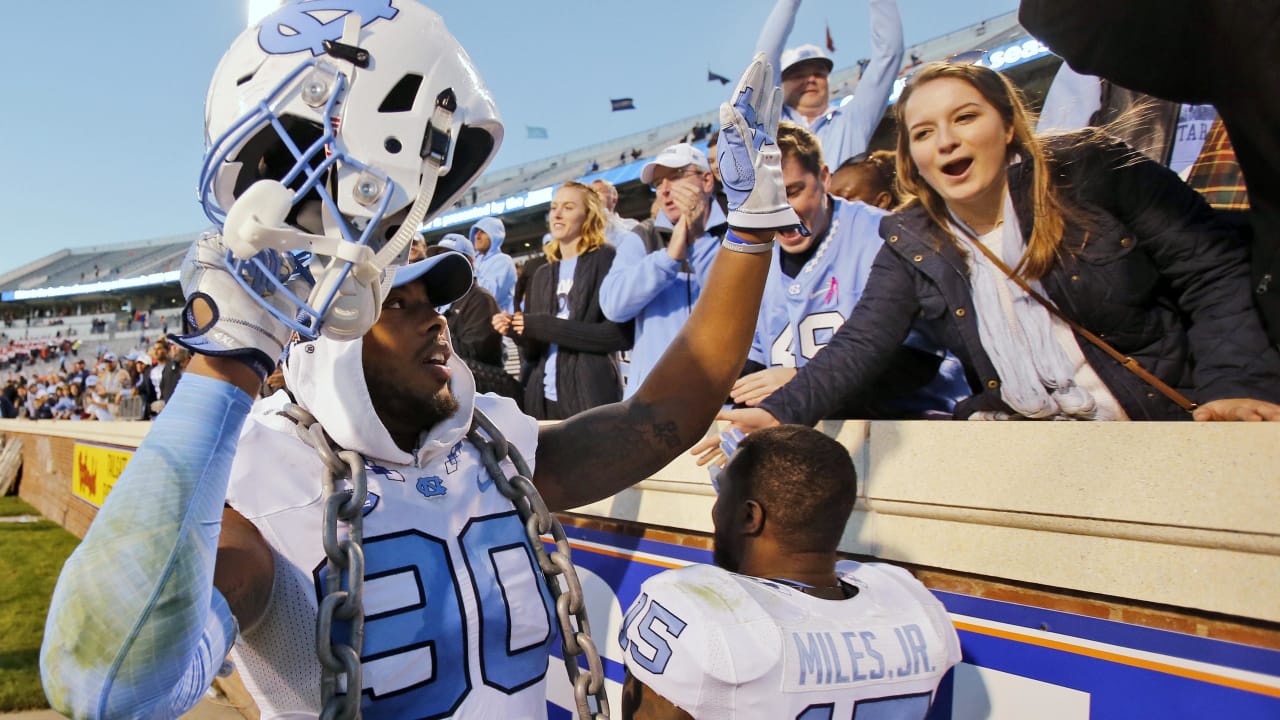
(329, 125)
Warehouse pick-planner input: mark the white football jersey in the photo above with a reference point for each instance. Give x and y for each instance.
(722, 645)
(458, 622)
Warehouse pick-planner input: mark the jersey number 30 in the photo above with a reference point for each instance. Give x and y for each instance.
(415, 649)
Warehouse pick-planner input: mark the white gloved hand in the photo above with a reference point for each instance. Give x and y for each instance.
(749, 159)
(225, 318)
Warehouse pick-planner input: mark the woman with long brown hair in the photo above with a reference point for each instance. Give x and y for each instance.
(1026, 255)
(573, 347)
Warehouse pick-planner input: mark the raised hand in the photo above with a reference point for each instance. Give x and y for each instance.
(233, 319)
(749, 160)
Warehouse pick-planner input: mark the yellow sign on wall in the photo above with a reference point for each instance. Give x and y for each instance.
(96, 469)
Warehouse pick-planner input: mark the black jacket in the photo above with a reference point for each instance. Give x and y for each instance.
(471, 330)
(169, 379)
(527, 271)
(1148, 267)
(587, 372)
(1200, 51)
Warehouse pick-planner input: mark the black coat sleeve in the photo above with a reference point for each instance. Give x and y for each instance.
(1144, 45)
(586, 329)
(471, 328)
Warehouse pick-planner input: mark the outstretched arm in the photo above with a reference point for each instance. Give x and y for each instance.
(872, 93)
(1142, 44)
(626, 442)
(623, 443)
(135, 627)
(774, 34)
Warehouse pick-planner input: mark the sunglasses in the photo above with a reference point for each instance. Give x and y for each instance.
(687, 171)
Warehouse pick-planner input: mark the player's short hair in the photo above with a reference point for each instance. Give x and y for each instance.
(804, 480)
(800, 145)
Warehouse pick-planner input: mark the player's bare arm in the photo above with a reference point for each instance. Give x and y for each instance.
(625, 442)
(680, 397)
(245, 569)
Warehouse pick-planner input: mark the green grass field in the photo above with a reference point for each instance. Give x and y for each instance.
(31, 554)
(12, 506)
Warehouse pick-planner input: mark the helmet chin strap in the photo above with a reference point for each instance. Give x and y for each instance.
(438, 149)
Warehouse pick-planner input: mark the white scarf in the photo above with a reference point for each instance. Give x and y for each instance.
(1037, 379)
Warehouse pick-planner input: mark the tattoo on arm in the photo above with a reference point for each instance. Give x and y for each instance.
(667, 433)
(616, 446)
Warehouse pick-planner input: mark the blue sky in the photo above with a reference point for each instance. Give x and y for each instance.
(102, 107)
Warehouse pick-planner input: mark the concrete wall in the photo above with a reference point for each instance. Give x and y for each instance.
(48, 467)
(1175, 514)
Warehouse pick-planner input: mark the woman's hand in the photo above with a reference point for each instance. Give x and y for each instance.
(517, 323)
(502, 323)
(746, 420)
(751, 390)
(1237, 409)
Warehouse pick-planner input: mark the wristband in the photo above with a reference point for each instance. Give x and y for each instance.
(737, 244)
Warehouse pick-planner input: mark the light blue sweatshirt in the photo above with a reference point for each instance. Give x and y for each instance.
(651, 288)
(844, 131)
(495, 270)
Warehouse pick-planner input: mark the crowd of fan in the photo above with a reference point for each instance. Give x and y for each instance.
(135, 388)
(592, 314)
(609, 289)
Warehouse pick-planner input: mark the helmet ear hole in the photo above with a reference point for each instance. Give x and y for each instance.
(401, 97)
(473, 148)
(266, 157)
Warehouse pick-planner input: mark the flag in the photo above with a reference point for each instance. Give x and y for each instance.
(622, 104)
(712, 76)
(831, 45)
(535, 132)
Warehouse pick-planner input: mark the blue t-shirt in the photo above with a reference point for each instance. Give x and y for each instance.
(564, 283)
(799, 315)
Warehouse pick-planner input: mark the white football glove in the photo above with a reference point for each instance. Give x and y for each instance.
(223, 319)
(749, 159)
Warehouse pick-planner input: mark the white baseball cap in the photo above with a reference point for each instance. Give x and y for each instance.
(676, 156)
(805, 53)
(454, 241)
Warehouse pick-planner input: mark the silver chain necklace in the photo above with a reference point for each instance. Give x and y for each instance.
(346, 558)
(795, 288)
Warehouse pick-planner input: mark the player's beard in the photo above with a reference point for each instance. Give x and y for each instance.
(424, 411)
(721, 556)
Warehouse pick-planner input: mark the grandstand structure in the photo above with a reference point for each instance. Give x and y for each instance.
(70, 289)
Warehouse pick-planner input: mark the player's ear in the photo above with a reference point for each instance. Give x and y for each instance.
(752, 517)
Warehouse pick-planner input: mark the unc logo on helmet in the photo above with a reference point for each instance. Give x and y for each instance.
(307, 25)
